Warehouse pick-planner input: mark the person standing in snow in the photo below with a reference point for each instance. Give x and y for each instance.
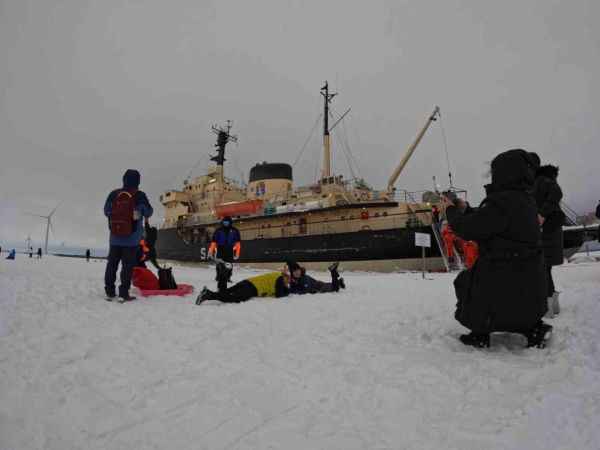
(548, 194)
(505, 290)
(125, 209)
(39, 252)
(274, 284)
(301, 283)
(225, 245)
(87, 255)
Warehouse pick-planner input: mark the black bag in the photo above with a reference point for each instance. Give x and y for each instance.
(165, 278)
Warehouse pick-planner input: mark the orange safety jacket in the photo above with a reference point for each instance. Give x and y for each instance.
(471, 251)
(145, 250)
(212, 249)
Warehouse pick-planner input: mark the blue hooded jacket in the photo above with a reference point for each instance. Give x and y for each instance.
(131, 181)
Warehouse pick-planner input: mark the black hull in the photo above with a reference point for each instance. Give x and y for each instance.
(357, 246)
(368, 245)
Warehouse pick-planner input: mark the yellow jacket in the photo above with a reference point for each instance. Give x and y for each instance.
(266, 284)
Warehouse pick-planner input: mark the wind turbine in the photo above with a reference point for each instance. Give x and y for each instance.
(48, 225)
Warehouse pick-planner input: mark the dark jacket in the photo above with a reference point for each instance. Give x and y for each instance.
(505, 290)
(305, 284)
(225, 238)
(547, 194)
(598, 211)
(131, 182)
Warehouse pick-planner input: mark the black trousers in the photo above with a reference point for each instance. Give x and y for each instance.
(239, 292)
(126, 256)
(223, 276)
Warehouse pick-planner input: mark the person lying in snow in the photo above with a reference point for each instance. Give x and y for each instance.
(300, 283)
(273, 284)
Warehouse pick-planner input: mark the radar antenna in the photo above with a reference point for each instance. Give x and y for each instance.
(224, 136)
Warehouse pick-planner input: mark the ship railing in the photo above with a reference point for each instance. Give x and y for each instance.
(571, 216)
(402, 195)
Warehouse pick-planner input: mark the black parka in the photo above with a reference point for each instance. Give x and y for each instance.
(506, 288)
(547, 194)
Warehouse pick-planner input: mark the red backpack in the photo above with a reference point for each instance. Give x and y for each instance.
(121, 216)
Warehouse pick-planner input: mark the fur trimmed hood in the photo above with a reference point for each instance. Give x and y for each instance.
(548, 171)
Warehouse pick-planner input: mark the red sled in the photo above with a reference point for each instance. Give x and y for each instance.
(182, 289)
(147, 283)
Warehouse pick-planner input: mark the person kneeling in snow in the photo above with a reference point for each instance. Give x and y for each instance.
(300, 283)
(274, 284)
(505, 290)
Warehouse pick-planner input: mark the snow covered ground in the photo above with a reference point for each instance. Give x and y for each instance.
(375, 367)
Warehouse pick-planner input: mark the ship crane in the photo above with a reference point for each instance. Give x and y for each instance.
(411, 148)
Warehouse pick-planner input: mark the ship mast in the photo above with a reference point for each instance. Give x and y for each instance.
(326, 169)
(223, 138)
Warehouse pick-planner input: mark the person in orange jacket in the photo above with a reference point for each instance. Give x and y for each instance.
(225, 245)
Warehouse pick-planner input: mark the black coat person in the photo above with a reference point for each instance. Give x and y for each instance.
(506, 288)
(548, 194)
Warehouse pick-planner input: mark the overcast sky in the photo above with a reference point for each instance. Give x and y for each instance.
(91, 88)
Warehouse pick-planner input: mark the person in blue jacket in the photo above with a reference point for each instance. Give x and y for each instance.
(12, 254)
(301, 283)
(123, 247)
(225, 245)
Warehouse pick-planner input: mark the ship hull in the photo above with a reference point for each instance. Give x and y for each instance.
(361, 250)
(377, 250)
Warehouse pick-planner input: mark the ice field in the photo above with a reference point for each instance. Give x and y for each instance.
(377, 366)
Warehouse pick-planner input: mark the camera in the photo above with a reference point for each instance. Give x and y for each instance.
(451, 195)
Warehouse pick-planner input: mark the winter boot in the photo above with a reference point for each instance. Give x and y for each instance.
(539, 335)
(205, 294)
(126, 298)
(479, 340)
(333, 267)
(110, 294)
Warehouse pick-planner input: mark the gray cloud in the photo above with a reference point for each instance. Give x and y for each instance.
(88, 89)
